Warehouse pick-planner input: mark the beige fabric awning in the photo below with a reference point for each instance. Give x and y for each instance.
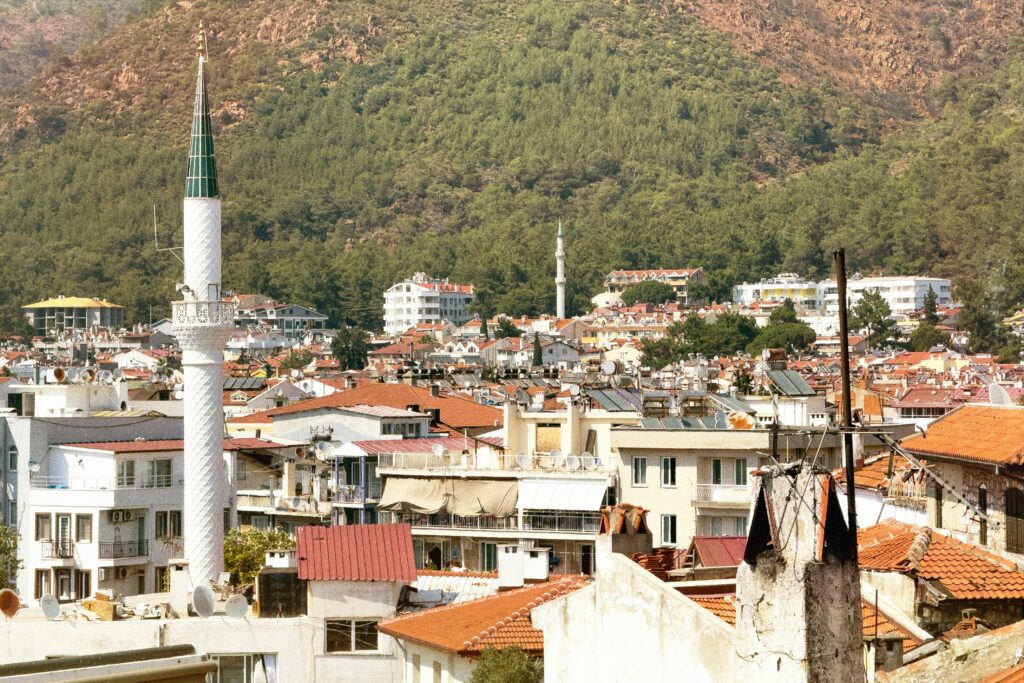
(406, 494)
(479, 498)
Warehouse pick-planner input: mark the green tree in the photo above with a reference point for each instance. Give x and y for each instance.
(245, 551)
(925, 336)
(698, 292)
(786, 313)
(507, 665)
(743, 382)
(8, 555)
(648, 292)
(726, 336)
(538, 352)
(871, 314)
(484, 329)
(931, 307)
(350, 348)
(297, 360)
(979, 317)
(506, 328)
(789, 336)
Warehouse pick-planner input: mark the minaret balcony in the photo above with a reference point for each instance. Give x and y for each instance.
(212, 313)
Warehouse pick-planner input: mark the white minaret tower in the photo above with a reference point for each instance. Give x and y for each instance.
(203, 323)
(560, 274)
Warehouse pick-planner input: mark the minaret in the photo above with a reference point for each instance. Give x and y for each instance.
(203, 324)
(560, 274)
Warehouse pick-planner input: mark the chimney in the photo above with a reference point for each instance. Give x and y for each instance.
(623, 530)
(435, 389)
(798, 615)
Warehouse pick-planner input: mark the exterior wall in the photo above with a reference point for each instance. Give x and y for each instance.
(898, 589)
(454, 669)
(347, 426)
(630, 626)
(352, 599)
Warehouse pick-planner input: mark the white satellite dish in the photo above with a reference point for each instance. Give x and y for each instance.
(236, 607)
(998, 396)
(572, 462)
(574, 390)
(437, 449)
(587, 460)
(154, 378)
(545, 462)
(296, 373)
(557, 459)
(50, 606)
(106, 376)
(118, 374)
(608, 367)
(74, 375)
(203, 601)
(524, 461)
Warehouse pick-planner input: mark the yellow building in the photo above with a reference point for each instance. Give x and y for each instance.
(73, 313)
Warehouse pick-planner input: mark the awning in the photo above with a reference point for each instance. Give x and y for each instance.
(541, 494)
(478, 498)
(423, 496)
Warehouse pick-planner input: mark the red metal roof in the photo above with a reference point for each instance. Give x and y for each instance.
(454, 444)
(356, 552)
(720, 551)
(160, 445)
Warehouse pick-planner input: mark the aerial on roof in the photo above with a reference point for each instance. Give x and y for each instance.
(498, 621)
(73, 302)
(980, 433)
(356, 552)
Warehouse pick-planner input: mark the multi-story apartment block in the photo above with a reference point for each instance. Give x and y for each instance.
(67, 313)
(805, 293)
(618, 281)
(422, 299)
(290, 320)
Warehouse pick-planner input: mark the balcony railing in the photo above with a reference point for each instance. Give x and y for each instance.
(721, 493)
(115, 550)
(911, 488)
(156, 481)
(266, 499)
(567, 522)
(493, 462)
(355, 493)
(585, 523)
(58, 550)
(203, 313)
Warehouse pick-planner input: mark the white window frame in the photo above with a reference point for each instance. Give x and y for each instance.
(668, 482)
(669, 529)
(639, 468)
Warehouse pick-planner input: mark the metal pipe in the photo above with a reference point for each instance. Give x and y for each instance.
(847, 423)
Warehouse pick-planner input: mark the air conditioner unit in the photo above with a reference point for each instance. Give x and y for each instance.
(103, 574)
(126, 515)
(122, 572)
(115, 516)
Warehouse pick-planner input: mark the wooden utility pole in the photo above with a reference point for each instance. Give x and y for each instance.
(847, 413)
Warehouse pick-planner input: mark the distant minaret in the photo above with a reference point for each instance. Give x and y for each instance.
(203, 324)
(560, 274)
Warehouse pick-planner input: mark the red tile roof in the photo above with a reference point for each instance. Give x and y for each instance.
(454, 444)
(722, 606)
(496, 621)
(979, 433)
(719, 551)
(965, 571)
(159, 445)
(356, 552)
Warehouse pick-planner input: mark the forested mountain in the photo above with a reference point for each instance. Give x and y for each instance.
(361, 141)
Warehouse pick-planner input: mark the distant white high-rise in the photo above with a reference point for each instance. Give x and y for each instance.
(422, 299)
(203, 324)
(560, 274)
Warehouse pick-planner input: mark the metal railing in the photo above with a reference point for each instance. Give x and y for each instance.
(115, 550)
(571, 522)
(567, 522)
(156, 481)
(491, 461)
(354, 493)
(276, 501)
(721, 493)
(58, 550)
(203, 313)
(911, 488)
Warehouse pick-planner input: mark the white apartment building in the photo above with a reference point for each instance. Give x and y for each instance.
(422, 299)
(903, 294)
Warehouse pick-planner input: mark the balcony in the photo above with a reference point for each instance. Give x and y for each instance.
(493, 462)
(116, 550)
(58, 550)
(721, 493)
(272, 501)
(355, 493)
(157, 481)
(564, 522)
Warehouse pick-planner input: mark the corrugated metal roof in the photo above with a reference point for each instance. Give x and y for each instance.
(719, 551)
(244, 383)
(790, 383)
(356, 552)
(454, 444)
(729, 402)
(616, 400)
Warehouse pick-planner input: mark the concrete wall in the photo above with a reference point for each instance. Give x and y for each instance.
(454, 669)
(352, 599)
(899, 589)
(630, 626)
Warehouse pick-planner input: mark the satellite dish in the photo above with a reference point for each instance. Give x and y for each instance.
(33, 466)
(106, 376)
(58, 375)
(437, 449)
(574, 390)
(74, 375)
(153, 378)
(998, 396)
(50, 606)
(587, 460)
(296, 373)
(608, 367)
(572, 462)
(203, 601)
(557, 459)
(524, 461)
(9, 603)
(545, 462)
(118, 374)
(236, 607)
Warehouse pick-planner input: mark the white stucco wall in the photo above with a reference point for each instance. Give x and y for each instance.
(352, 599)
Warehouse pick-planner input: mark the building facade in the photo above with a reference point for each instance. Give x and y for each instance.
(66, 313)
(619, 281)
(423, 299)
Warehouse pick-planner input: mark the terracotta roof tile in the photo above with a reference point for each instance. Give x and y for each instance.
(980, 433)
(722, 606)
(497, 621)
(966, 571)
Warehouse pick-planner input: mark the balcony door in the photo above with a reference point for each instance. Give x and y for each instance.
(63, 536)
(63, 584)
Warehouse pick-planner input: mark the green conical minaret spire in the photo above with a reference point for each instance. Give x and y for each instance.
(202, 170)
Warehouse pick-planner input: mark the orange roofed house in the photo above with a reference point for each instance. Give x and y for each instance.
(978, 450)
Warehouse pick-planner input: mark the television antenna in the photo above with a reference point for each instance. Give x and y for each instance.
(156, 242)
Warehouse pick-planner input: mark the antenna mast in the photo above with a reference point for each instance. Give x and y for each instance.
(156, 241)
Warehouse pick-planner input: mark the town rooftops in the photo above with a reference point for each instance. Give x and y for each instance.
(962, 570)
(651, 274)
(499, 621)
(73, 302)
(356, 552)
(453, 444)
(162, 445)
(978, 433)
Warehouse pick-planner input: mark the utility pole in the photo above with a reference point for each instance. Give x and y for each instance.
(847, 414)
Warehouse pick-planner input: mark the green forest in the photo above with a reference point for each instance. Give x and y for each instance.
(457, 148)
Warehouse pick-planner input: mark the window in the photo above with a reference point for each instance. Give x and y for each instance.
(489, 556)
(83, 528)
(350, 635)
(12, 515)
(437, 672)
(983, 506)
(244, 668)
(174, 523)
(12, 458)
(44, 527)
(668, 529)
(639, 470)
(1014, 520)
(728, 526)
(160, 473)
(668, 471)
(240, 472)
(42, 582)
(126, 473)
(716, 472)
(83, 584)
(741, 472)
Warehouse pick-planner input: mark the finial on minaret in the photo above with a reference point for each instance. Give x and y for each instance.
(201, 48)
(202, 169)
(559, 228)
